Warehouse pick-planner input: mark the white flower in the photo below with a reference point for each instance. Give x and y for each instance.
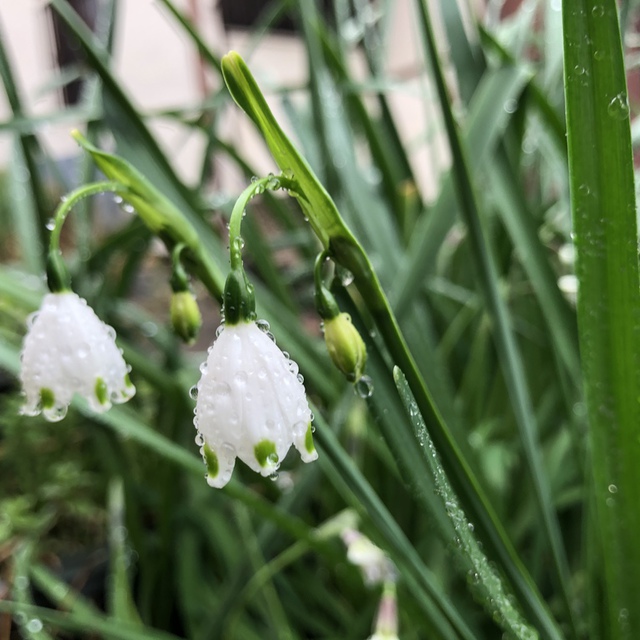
(68, 350)
(251, 404)
(373, 562)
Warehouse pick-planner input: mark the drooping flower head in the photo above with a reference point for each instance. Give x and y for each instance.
(68, 350)
(251, 404)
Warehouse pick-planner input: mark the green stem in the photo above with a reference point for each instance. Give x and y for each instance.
(179, 277)
(326, 304)
(235, 222)
(57, 274)
(71, 200)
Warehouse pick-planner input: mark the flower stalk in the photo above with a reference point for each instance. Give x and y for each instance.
(343, 247)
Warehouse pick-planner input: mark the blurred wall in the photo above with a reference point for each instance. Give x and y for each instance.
(160, 70)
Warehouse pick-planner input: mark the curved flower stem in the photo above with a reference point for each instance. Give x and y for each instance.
(272, 183)
(72, 199)
(325, 302)
(179, 277)
(57, 275)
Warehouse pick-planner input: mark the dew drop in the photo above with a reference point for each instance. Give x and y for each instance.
(510, 105)
(219, 330)
(364, 387)
(263, 325)
(598, 11)
(229, 450)
(193, 392)
(238, 243)
(613, 488)
(345, 276)
(55, 413)
(618, 108)
(34, 625)
(240, 379)
(149, 329)
(51, 224)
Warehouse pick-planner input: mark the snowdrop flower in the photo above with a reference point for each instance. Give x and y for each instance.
(251, 404)
(68, 350)
(372, 561)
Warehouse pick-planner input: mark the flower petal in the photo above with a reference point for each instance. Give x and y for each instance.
(68, 350)
(251, 400)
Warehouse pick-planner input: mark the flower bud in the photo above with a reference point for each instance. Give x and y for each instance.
(185, 315)
(345, 346)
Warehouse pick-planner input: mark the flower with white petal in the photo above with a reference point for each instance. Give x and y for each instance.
(251, 404)
(68, 350)
(372, 560)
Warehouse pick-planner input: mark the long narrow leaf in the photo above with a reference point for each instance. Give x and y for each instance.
(604, 221)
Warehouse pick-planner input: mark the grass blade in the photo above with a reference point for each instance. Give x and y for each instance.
(506, 344)
(485, 578)
(604, 220)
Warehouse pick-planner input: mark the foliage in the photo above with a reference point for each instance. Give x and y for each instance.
(499, 476)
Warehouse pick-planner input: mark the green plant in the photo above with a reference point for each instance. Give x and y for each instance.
(490, 451)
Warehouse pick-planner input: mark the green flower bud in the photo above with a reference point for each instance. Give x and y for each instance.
(345, 345)
(185, 315)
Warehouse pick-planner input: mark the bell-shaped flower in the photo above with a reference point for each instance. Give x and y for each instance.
(68, 350)
(251, 404)
(374, 563)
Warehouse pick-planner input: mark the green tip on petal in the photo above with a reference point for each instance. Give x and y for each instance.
(101, 391)
(47, 398)
(308, 440)
(127, 380)
(265, 452)
(211, 460)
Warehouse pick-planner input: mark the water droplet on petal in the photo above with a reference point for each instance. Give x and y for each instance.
(193, 392)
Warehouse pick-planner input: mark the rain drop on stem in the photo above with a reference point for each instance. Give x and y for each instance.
(364, 387)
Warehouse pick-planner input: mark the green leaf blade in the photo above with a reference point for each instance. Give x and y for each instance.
(604, 220)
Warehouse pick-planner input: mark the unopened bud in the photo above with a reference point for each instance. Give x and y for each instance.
(345, 346)
(185, 315)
